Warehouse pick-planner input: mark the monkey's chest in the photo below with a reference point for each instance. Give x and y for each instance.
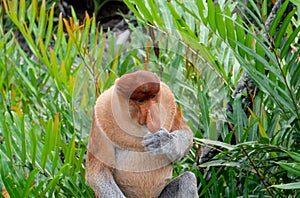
(140, 174)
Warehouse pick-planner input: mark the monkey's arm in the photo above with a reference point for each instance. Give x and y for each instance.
(100, 178)
(173, 144)
(100, 160)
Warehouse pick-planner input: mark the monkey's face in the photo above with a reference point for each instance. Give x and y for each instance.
(142, 90)
(145, 111)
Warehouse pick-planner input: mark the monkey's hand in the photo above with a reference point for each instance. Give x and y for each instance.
(173, 145)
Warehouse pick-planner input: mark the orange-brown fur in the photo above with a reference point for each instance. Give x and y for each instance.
(137, 173)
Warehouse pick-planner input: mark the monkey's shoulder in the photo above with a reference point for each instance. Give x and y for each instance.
(104, 99)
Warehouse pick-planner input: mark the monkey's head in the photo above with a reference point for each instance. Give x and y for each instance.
(141, 89)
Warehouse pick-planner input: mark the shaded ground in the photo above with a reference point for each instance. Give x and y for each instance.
(107, 12)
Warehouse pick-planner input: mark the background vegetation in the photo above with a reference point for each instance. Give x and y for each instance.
(52, 68)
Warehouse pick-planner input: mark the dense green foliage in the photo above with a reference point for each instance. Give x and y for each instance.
(48, 92)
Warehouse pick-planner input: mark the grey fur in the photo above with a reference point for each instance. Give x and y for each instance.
(164, 142)
(182, 186)
(108, 187)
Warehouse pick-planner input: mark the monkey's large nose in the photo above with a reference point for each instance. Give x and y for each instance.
(143, 115)
(149, 116)
(153, 119)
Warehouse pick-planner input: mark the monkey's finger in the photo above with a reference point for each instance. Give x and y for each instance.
(154, 150)
(151, 138)
(151, 142)
(154, 145)
(151, 135)
(163, 130)
(151, 145)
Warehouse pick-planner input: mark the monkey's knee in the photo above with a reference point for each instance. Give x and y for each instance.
(184, 185)
(188, 185)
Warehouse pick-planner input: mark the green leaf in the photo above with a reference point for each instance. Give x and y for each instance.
(11, 12)
(182, 5)
(42, 20)
(293, 168)
(288, 186)
(180, 24)
(50, 26)
(23, 136)
(7, 136)
(50, 187)
(133, 9)
(46, 149)
(60, 35)
(84, 38)
(260, 51)
(238, 117)
(296, 73)
(248, 43)
(211, 15)
(213, 131)
(156, 14)
(93, 35)
(220, 22)
(288, 43)
(8, 183)
(204, 109)
(260, 127)
(264, 10)
(240, 34)
(201, 9)
(71, 150)
(22, 9)
(294, 155)
(230, 28)
(189, 37)
(144, 11)
(277, 18)
(296, 2)
(38, 189)
(215, 143)
(29, 182)
(74, 16)
(284, 102)
(43, 49)
(32, 14)
(258, 25)
(255, 8)
(283, 28)
(33, 146)
(26, 80)
(220, 163)
(262, 60)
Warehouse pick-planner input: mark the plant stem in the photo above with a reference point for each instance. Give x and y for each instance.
(252, 163)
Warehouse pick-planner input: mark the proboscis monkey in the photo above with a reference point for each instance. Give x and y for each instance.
(136, 135)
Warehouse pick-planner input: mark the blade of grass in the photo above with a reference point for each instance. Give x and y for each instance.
(42, 20)
(47, 139)
(277, 18)
(283, 28)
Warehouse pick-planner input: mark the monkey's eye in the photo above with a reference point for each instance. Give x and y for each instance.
(141, 100)
(153, 96)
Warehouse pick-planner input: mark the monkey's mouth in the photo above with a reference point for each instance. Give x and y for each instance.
(146, 130)
(150, 128)
(153, 127)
